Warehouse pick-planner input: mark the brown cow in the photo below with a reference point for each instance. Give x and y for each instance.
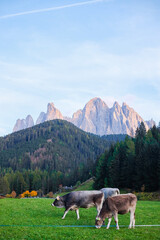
(120, 204)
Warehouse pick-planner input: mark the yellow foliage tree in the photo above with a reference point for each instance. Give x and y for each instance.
(25, 194)
(29, 194)
(33, 194)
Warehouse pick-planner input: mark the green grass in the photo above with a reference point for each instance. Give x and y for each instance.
(29, 212)
(87, 185)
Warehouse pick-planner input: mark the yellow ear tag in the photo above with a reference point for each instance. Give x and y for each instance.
(58, 198)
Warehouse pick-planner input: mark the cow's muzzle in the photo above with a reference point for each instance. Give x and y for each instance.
(97, 226)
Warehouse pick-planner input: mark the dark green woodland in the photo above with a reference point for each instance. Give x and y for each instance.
(58, 153)
(133, 163)
(47, 155)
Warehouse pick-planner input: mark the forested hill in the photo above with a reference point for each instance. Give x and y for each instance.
(46, 155)
(53, 145)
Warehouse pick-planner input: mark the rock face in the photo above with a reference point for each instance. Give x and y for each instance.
(23, 123)
(93, 118)
(124, 120)
(150, 123)
(96, 117)
(52, 113)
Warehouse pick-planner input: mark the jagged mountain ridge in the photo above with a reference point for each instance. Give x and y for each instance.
(23, 123)
(96, 117)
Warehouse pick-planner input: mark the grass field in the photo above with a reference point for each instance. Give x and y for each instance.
(32, 219)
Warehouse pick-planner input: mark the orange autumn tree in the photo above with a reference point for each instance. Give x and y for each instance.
(29, 194)
(25, 194)
(33, 194)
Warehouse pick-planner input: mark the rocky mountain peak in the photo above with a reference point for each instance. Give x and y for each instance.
(96, 117)
(116, 106)
(50, 107)
(96, 102)
(41, 118)
(151, 123)
(52, 113)
(23, 123)
(126, 109)
(116, 109)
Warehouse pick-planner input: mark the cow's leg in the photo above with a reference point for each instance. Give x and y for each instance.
(109, 222)
(77, 211)
(98, 210)
(131, 218)
(133, 224)
(65, 212)
(99, 207)
(116, 220)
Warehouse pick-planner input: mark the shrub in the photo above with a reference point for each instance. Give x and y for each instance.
(29, 194)
(50, 195)
(8, 196)
(13, 194)
(147, 196)
(25, 194)
(33, 194)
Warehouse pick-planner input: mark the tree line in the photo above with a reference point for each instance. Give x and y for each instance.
(133, 163)
(47, 155)
(58, 153)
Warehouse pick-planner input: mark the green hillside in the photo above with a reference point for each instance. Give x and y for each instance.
(53, 145)
(47, 155)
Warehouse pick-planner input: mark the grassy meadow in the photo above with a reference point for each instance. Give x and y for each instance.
(35, 218)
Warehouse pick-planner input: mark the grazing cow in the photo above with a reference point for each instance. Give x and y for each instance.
(109, 192)
(120, 204)
(80, 199)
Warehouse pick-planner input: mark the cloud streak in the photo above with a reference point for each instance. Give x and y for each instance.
(51, 9)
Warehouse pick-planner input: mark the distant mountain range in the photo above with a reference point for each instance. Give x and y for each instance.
(96, 117)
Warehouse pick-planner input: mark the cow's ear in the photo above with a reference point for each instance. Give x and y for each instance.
(58, 198)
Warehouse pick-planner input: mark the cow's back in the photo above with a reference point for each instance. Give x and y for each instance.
(83, 199)
(121, 203)
(108, 192)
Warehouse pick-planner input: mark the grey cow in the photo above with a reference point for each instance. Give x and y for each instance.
(80, 199)
(109, 192)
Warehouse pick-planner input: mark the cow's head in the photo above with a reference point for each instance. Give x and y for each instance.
(58, 202)
(98, 222)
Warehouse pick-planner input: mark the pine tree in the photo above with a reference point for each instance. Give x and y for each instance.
(4, 185)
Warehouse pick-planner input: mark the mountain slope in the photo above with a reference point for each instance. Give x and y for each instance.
(53, 145)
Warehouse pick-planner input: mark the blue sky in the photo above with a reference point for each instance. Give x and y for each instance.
(107, 48)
